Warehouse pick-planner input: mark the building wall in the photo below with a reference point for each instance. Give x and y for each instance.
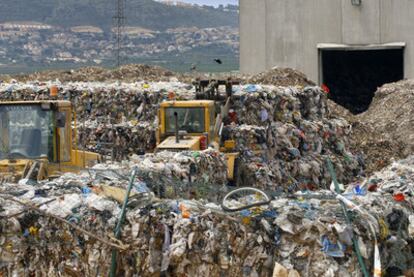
(286, 32)
(254, 50)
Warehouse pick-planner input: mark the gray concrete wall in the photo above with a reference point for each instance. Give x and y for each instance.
(360, 24)
(397, 24)
(286, 32)
(253, 39)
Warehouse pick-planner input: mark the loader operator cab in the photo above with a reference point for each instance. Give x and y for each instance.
(195, 122)
(193, 125)
(38, 132)
(29, 131)
(190, 120)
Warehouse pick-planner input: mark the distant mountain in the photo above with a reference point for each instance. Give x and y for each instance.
(144, 13)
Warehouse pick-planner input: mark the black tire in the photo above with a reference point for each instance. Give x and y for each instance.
(262, 199)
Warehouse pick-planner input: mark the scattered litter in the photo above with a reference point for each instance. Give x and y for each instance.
(191, 237)
(386, 131)
(281, 77)
(174, 225)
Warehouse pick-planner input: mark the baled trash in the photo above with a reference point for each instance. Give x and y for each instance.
(291, 236)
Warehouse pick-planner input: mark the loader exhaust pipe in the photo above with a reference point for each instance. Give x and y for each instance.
(177, 139)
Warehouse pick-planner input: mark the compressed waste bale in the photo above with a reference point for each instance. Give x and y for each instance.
(201, 174)
(195, 238)
(98, 99)
(188, 174)
(248, 137)
(117, 141)
(289, 124)
(114, 119)
(256, 104)
(291, 151)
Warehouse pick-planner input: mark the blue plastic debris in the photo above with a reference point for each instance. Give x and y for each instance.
(245, 213)
(332, 249)
(270, 214)
(361, 191)
(26, 233)
(141, 187)
(294, 152)
(251, 88)
(86, 190)
(277, 236)
(264, 116)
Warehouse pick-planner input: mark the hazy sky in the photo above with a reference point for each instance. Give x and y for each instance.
(212, 2)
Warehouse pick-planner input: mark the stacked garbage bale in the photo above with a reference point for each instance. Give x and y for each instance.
(99, 99)
(187, 174)
(117, 141)
(289, 124)
(257, 104)
(114, 119)
(65, 227)
(289, 137)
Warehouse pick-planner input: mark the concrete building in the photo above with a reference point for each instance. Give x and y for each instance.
(364, 41)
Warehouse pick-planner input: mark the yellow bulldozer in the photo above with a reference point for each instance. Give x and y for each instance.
(36, 141)
(197, 124)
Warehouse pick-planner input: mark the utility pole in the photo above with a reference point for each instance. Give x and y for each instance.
(119, 24)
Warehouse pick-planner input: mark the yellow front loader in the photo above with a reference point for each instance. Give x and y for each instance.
(36, 141)
(193, 125)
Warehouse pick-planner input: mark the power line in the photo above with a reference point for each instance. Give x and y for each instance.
(119, 22)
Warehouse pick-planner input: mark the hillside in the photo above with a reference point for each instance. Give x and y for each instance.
(144, 13)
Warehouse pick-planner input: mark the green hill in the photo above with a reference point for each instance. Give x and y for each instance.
(145, 13)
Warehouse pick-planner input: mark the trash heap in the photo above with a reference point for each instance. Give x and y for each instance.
(130, 73)
(186, 174)
(258, 104)
(116, 119)
(118, 101)
(279, 76)
(290, 124)
(285, 136)
(385, 131)
(117, 141)
(65, 227)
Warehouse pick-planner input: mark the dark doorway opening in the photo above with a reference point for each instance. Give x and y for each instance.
(353, 76)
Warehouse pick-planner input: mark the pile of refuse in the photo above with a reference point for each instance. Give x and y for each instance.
(284, 136)
(186, 174)
(277, 76)
(97, 99)
(65, 227)
(174, 224)
(280, 76)
(289, 125)
(114, 119)
(117, 141)
(257, 104)
(386, 131)
(119, 119)
(127, 73)
(338, 111)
